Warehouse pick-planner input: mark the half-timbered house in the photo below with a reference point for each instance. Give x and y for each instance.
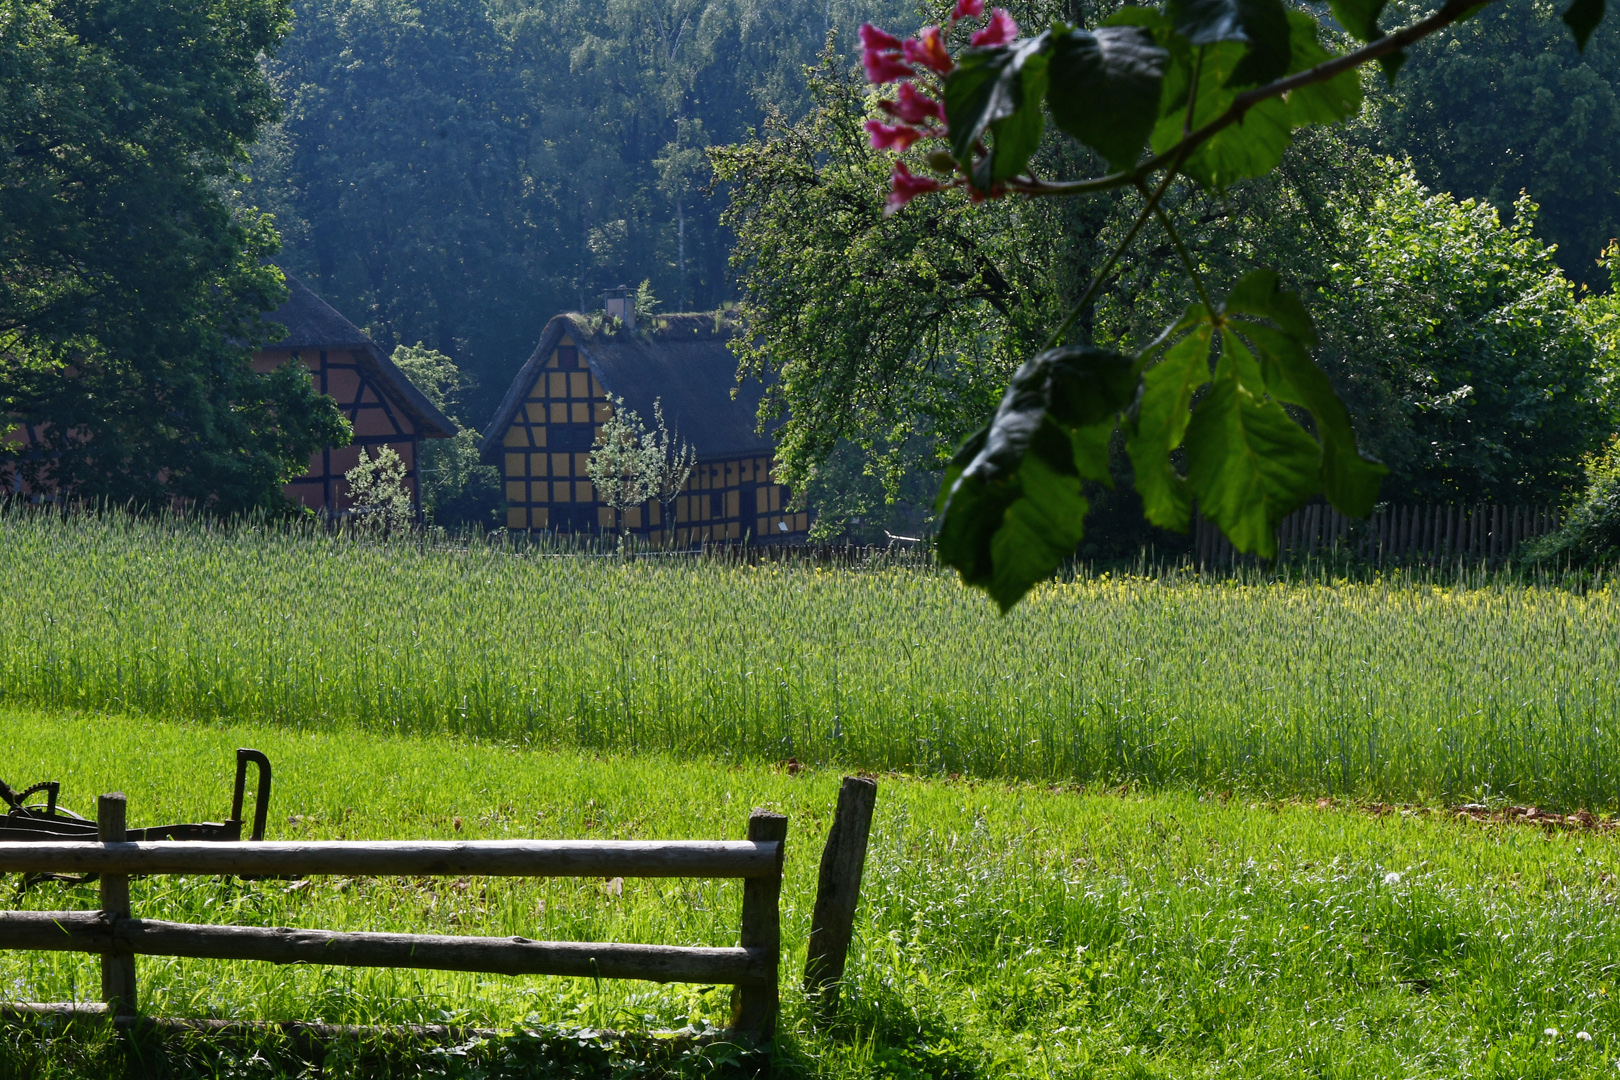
(542, 434)
(383, 406)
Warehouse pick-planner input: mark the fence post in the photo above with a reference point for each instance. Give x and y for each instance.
(754, 1008)
(118, 966)
(832, 923)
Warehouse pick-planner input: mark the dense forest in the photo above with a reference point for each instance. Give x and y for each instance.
(454, 174)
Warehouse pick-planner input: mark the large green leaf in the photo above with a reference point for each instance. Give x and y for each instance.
(1248, 462)
(1359, 17)
(998, 91)
(1260, 24)
(1014, 139)
(1104, 88)
(1014, 509)
(1160, 423)
(1583, 17)
(1255, 145)
(1349, 479)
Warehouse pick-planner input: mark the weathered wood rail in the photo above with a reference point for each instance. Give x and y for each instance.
(1434, 533)
(118, 936)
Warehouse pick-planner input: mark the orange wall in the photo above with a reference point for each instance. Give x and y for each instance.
(376, 419)
(543, 471)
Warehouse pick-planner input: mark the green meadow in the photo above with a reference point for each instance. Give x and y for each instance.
(1121, 832)
(1005, 930)
(1460, 687)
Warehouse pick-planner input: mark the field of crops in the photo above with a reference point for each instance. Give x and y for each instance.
(1393, 688)
(1006, 931)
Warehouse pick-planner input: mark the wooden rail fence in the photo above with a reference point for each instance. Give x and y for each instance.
(115, 933)
(1483, 532)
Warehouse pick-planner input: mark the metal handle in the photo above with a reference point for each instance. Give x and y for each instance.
(261, 805)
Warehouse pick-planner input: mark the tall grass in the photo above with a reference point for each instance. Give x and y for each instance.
(1393, 687)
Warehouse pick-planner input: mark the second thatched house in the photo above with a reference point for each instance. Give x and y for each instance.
(542, 434)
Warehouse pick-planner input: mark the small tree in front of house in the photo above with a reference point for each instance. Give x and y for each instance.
(379, 497)
(670, 461)
(618, 465)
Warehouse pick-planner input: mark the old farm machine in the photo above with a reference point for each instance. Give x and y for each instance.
(47, 821)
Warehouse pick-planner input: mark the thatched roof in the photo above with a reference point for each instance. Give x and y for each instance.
(681, 359)
(312, 323)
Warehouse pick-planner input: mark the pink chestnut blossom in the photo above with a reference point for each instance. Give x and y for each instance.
(998, 31)
(897, 137)
(928, 50)
(904, 186)
(880, 54)
(967, 9)
(913, 106)
(874, 39)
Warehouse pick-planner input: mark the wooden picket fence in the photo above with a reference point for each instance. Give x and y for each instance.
(1482, 532)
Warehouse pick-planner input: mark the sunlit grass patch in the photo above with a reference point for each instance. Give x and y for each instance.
(1005, 929)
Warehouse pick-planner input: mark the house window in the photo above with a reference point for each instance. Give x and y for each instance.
(567, 356)
(717, 505)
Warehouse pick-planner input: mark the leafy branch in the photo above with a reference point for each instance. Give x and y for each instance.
(1388, 46)
(1211, 90)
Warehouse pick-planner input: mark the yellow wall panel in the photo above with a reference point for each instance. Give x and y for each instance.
(560, 465)
(515, 436)
(579, 384)
(603, 411)
(537, 464)
(682, 510)
(733, 530)
(514, 464)
(632, 517)
(539, 491)
(731, 474)
(583, 492)
(596, 387)
(604, 517)
(536, 413)
(733, 503)
(761, 527)
(559, 413)
(579, 412)
(514, 491)
(801, 522)
(582, 464)
(557, 385)
(517, 518)
(539, 435)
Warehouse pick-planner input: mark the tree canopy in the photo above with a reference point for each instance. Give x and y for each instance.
(130, 290)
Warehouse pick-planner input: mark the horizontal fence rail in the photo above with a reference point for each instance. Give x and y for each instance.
(90, 932)
(752, 966)
(407, 858)
(1432, 533)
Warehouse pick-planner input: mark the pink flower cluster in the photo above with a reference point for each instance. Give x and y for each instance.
(916, 111)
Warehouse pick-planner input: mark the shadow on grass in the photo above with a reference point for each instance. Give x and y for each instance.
(47, 1051)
